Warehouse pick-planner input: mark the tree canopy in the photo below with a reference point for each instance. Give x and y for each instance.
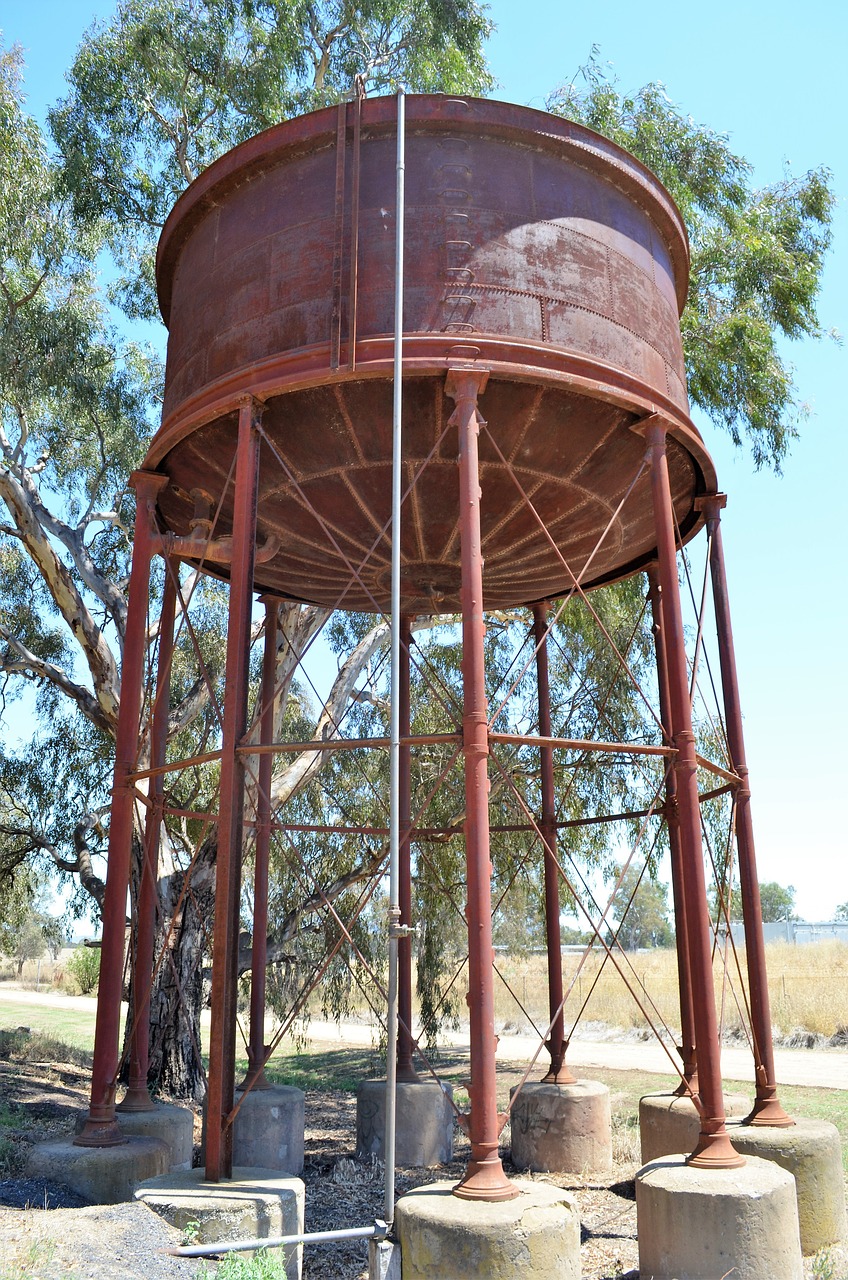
(777, 900)
(641, 905)
(757, 256)
(168, 85)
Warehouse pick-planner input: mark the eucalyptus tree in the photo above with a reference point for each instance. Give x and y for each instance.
(155, 95)
(757, 256)
(168, 85)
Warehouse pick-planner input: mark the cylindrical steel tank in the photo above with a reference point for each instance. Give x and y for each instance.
(535, 249)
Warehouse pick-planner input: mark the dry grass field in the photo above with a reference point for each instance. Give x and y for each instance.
(808, 987)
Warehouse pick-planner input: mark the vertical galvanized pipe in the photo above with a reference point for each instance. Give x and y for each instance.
(767, 1108)
(262, 851)
(714, 1148)
(484, 1178)
(405, 1066)
(101, 1128)
(684, 974)
(559, 1072)
(394, 730)
(137, 1097)
(222, 1044)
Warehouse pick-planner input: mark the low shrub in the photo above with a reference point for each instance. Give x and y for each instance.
(83, 969)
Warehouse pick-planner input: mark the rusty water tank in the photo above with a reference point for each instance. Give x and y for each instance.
(534, 248)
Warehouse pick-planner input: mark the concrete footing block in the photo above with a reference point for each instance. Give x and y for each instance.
(254, 1203)
(268, 1130)
(384, 1260)
(535, 1236)
(811, 1151)
(702, 1224)
(562, 1128)
(103, 1175)
(171, 1124)
(423, 1125)
(668, 1123)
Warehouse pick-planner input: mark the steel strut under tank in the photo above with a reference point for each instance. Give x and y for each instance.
(547, 446)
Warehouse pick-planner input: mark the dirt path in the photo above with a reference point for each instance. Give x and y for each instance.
(823, 1068)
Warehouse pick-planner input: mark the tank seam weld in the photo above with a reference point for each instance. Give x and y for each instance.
(566, 302)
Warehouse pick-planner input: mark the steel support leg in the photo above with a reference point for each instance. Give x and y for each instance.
(556, 1046)
(221, 1075)
(767, 1108)
(405, 1065)
(137, 1097)
(689, 1084)
(101, 1128)
(262, 852)
(714, 1148)
(484, 1178)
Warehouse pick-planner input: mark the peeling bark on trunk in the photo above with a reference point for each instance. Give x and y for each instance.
(177, 995)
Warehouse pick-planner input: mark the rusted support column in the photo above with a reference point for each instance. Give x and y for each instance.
(222, 1044)
(137, 1096)
(262, 852)
(556, 1046)
(689, 1084)
(767, 1108)
(405, 1066)
(714, 1148)
(484, 1178)
(101, 1128)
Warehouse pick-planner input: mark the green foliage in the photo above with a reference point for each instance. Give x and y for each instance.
(24, 1045)
(641, 906)
(83, 967)
(757, 256)
(26, 931)
(263, 1265)
(168, 85)
(13, 1153)
(841, 912)
(30, 939)
(778, 902)
(826, 1267)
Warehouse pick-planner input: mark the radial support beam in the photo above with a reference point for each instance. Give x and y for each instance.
(767, 1109)
(688, 1054)
(405, 1046)
(714, 1148)
(221, 1075)
(556, 1045)
(137, 1097)
(101, 1128)
(484, 1177)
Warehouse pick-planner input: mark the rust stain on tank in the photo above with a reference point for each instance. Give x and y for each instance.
(534, 248)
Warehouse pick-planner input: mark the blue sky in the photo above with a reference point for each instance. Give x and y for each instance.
(771, 76)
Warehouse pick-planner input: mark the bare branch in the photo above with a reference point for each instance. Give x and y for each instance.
(67, 598)
(189, 707)
(72, 539)
(40, 669)
(81, 864)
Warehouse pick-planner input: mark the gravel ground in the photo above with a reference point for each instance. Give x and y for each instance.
(48, 1233)
(344, 1192)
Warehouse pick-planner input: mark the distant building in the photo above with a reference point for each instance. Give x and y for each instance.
(798, 931)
